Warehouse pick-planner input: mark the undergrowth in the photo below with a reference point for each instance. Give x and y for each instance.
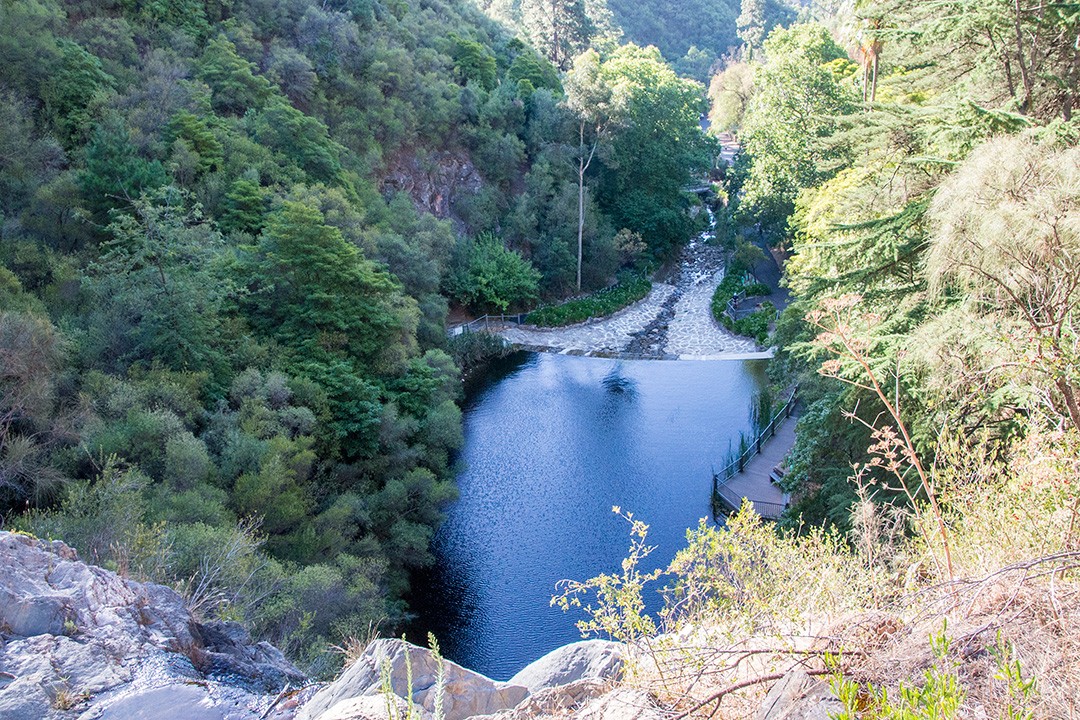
(746, 603)
(605, 302)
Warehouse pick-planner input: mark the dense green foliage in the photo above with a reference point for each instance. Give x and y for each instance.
(694, 34)
(229, 237)
(915, 185)
(604, 302)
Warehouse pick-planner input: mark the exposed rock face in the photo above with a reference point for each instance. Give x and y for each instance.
(78, 640)
(561, 700)
(622, 704)
(434, 182)
(800, 697)
(563, 681)
(465, 693)
(589, 659)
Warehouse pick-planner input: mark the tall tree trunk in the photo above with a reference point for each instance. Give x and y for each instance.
(1025, 72)
(873, 79)
(555, 39)
(580, 200)
(583, 164)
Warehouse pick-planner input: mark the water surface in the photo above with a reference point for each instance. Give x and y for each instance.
(552, 442)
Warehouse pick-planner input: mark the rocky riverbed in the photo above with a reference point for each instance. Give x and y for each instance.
(674, 322)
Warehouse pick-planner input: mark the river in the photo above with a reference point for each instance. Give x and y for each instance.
(552, 442)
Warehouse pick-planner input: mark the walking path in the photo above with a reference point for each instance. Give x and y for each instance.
(755, 482)
(674, 322)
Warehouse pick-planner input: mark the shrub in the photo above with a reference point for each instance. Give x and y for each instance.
(755, 325)
(489, 276)
(604, 302)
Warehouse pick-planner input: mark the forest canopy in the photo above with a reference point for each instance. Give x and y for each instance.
(230, 233)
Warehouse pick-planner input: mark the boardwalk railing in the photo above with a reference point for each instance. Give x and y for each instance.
(486, 322)
(736, 466)
(733, 501)
(733, 305)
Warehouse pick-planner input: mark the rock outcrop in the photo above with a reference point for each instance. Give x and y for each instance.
(79, 641)
(800, 697)
(464, 694)
(565, 680)
(585, 660)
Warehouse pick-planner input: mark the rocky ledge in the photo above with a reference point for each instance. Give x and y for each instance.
(78, 641)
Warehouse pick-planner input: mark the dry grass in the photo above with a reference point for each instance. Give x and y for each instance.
(750, 606)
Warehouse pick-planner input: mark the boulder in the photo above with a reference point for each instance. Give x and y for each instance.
(465, 693)
(623, 704)
(797, 696)
(78, 638)
(585, 660)
(371, 707)
(560, 700)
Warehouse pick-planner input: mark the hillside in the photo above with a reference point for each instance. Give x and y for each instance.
(231, 235)
(694, 34)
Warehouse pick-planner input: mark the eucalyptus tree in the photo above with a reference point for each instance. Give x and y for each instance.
(599, 105)
(560, 28)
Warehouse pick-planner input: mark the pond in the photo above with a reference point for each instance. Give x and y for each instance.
(552, 442)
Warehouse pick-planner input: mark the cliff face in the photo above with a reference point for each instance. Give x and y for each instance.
(79, 641)
(434, 182)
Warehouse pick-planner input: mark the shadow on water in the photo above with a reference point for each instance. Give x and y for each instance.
(618, 384)
(552, 442)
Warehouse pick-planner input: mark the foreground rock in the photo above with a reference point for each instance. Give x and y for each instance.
(565, 679)
(464, 694)
(79, 641)
(586, 660)
(800, 697)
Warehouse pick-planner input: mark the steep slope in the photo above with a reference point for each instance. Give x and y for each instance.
(76, 638)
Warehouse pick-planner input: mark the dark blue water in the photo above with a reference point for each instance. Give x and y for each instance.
(552, 442)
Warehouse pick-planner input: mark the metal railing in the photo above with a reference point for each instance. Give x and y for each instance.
(486, 322)
(733, 304)
(736, 466)
(733, 502)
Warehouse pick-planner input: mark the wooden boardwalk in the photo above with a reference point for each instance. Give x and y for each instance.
(755, 482)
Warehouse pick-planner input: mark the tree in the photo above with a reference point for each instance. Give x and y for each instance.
(232, 78)
(70, 90)
(317, 294)
(1026, 52)
(1007, 231)
(656, 150)
(730, 91)
(560, 28)
(488, 275)
(473, 61)
(31, 354)
(751, 25)
(598, 106)
(164, 297)
(800, 93)
(114, 174)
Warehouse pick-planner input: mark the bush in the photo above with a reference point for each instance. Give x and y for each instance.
(471, 349)
(605, 302)
(489, 276)
(755, 325)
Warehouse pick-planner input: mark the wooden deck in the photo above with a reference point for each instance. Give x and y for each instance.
(755, 482)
